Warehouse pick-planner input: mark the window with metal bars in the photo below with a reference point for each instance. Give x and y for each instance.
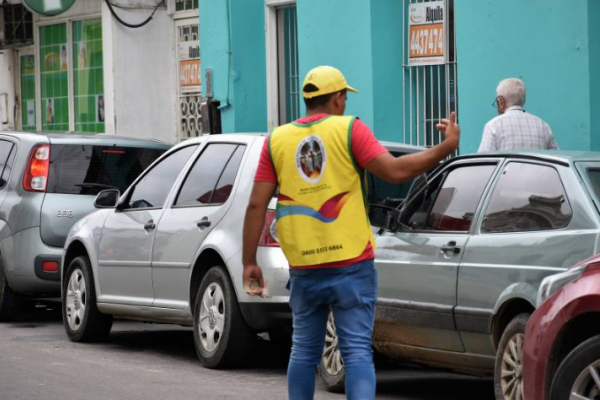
(287, 60)
(430, 91)
(18, 25)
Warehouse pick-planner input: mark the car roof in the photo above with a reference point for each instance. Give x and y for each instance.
(564, 157)
(94, 138)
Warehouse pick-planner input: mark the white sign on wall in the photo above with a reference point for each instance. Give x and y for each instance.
(427, 33)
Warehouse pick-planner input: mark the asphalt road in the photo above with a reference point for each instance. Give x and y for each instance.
(158, 362)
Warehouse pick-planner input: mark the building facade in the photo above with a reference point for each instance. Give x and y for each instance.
(258, 51)
(96, 68)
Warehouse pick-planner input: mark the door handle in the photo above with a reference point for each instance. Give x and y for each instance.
(204, 223)
(150, 225)
(450, 246)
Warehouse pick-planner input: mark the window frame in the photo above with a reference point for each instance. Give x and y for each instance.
(272, 64)
(14, 150)
(492, 188)
(189, 171)
(68, 21)
(443, 174)
(127, 195)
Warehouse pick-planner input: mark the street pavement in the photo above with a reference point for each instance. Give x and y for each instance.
(157, 362)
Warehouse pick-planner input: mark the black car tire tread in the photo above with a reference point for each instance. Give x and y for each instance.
(237, 340)
(95, 326)
(515, 326)
(568, 371)
(333, 383)
(9, 301)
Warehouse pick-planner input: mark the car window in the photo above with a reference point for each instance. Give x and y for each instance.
(449, 202)
(152, 190)
(527, 197)
(8, 166)
(88, 170)
(381, 192)
(210, 180)
(5, 152)
(594, 175)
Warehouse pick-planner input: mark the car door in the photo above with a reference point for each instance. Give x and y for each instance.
(124, 254)
(418, 266)
(198, 207)
(533, 224)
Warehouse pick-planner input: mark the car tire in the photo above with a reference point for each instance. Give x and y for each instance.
(82, 320)
(221, 336)
(573, 376)
(331, 368)
(9, 301)
(508, 375)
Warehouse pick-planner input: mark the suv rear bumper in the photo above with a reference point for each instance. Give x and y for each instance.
(21, 252)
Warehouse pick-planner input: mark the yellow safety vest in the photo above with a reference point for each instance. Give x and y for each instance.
(321, 209)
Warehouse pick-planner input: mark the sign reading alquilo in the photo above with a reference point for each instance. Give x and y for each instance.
(189, 66)
(427, 33)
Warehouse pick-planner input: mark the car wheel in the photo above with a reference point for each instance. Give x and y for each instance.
(578, 376)
(331, 367)
(9, 301)
(508, 371)
(82, 320)
(221, 336)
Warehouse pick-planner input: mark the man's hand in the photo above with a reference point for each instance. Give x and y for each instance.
(450, 129)
(253, 272)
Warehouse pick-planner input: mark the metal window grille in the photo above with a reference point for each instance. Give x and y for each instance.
(287, 59)
(190, 117)
(186, 5)
(430, 92)
(18, 25)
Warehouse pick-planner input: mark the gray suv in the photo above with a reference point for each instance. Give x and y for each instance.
(47, 183)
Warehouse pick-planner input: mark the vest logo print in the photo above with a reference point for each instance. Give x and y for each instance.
(329, 211)
(311, 159)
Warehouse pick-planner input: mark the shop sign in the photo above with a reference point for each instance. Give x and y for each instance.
(189, 67)
(427, 33)
(48, 8)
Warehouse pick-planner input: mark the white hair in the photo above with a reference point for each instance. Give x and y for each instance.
(513, 90)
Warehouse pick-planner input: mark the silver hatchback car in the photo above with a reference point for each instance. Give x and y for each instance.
(170, 252)
(461, 260)
(47, 182)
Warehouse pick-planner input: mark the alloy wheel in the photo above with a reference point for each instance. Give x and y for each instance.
(587, 384)
(212, 317)
(76, 299)
(512, 369)
(332, 358)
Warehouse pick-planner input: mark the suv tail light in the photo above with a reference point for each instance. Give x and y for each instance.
(268, 237)
(35, 178)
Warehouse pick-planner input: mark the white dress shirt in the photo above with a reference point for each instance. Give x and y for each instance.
(517, 130)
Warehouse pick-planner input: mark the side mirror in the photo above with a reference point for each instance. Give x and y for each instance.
(107, 198)
(385, 218)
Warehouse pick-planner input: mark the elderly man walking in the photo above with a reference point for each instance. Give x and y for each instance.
(513, 128)
(323, 226)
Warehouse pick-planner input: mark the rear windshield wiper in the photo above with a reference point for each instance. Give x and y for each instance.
(95, 186)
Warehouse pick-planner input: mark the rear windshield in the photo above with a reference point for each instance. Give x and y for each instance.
(88, 170)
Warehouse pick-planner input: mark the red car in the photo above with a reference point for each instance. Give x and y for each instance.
(561, 353)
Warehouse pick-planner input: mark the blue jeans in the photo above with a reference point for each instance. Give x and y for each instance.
(351, 292)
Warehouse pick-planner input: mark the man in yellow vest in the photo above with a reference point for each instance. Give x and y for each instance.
(322, 224)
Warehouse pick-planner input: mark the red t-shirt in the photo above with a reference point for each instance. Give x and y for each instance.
(365, 147)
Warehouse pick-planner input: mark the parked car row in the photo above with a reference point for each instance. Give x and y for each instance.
(134, 229)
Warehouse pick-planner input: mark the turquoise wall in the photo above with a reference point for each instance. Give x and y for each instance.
(232, 44)
(594, 39)
(338, 33)
(545, 43)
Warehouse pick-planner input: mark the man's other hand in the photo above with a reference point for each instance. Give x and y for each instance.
(450, 129)
(253, 272)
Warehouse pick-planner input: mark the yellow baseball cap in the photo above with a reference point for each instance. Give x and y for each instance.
(327, 80)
